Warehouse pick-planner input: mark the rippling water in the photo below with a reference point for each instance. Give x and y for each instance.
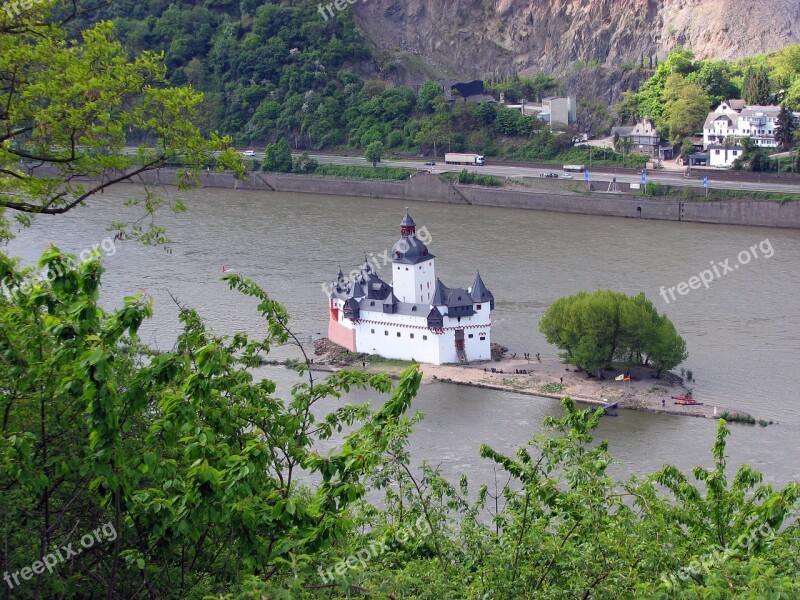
(743, 333)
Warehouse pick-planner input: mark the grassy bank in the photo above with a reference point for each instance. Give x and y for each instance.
(695, 194)
(356, 172)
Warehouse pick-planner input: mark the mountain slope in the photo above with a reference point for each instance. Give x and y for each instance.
(495, 38)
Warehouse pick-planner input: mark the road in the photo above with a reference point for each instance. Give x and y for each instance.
(671, 178)
(667, 178)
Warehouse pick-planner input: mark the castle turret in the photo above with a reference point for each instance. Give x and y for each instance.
(413, 274)
(480, 293)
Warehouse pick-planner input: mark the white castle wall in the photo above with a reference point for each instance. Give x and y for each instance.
(414, 283)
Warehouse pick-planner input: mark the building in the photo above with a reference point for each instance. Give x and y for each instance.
(645, 139)
(552, 109)
(722, 155)
(416, 317)
(733, 120)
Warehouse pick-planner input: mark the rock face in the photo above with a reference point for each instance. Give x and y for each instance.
(495, 38)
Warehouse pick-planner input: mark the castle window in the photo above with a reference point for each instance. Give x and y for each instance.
(420, 287)
(372, 303)
(372, 331)
(398, 334)
(424, 337)
(411, 335)
(471, 336)
(429, 285)
(414, 308)
(477, 307)
(406, 268)
(483, 338)
(385, 332)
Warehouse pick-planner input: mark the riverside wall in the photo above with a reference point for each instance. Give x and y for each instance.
(431, 188)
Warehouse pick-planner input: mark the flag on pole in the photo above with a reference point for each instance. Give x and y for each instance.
(620, 377)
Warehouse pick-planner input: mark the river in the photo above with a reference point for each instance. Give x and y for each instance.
(742, 332)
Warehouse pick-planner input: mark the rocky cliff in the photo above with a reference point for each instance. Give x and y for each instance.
(494, 38)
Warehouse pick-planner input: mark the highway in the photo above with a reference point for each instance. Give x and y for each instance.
(672, 178)
(662, 177)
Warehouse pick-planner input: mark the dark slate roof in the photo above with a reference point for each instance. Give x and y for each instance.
(479, 291)
(407, 221)
(440, 294)
(459, 297)
(410, 251)
(390, 299)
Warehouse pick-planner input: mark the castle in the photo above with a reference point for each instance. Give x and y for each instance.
(416, 317)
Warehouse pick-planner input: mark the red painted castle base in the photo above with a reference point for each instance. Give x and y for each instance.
(339, 334)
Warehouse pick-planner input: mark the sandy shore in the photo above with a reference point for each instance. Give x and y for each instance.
(550, 378)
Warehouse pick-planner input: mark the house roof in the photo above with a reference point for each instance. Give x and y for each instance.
(736, 104)
(622, 131)
(722, 147)
(714, 116)
(769, 111)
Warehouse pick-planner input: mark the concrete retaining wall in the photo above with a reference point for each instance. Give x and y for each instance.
(431, 188)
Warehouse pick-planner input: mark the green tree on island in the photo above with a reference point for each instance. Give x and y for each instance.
(374, 153)
(600, 328)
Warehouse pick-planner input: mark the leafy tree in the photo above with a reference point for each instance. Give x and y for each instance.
(429, 91)
(278, 157)
(686, 107)
(486, 112)
(304, 164)
(70, 105)
(596, 329)
(785, 128)
(756, 86)
(190, 460)
(716, 79)
(374, 152)
(680, 61)
(759, 161)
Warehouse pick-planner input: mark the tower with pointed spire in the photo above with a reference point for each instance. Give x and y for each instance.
(417, 316)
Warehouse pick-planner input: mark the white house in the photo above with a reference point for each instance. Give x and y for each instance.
(732, 121)
(417, 317)
(723, 156)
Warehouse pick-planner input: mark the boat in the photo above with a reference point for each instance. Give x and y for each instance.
(610, 410)
(684, 401)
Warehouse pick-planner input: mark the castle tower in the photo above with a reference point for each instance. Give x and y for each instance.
(413, 272)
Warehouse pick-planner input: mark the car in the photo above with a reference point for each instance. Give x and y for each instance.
(567, 176)
(249, 152)
(430, 163)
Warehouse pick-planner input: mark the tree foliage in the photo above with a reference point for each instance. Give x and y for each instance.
(195, 463)
(785, 128)
(597, 329)
(70, 103)
(278, 157)
(373, 153)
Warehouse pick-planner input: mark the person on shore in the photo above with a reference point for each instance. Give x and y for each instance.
(562, 380)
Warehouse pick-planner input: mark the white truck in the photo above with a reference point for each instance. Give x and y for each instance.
(453, 158)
